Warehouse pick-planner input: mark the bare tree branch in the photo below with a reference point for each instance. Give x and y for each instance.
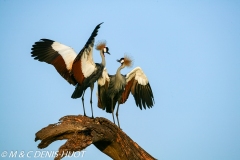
(81, 131)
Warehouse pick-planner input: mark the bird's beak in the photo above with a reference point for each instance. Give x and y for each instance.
(118, 60)
(108, 53)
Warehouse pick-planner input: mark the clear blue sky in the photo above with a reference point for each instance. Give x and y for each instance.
(190, 51)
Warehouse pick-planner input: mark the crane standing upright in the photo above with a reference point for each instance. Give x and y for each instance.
(114, 89)
(77, 69)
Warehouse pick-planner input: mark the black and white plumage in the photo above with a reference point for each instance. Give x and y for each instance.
(77, 69)
(116, 88)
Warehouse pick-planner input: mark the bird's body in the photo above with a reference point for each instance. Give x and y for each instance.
(113, 89)
(77, 69)
(89, 81)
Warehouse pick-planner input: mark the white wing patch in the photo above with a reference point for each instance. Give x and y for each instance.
(88, 66)
(67, 53)
(139, 76)
(102, 80)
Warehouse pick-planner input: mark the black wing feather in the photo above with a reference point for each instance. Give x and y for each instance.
(42, 51)
(89, 42)
(143, 96)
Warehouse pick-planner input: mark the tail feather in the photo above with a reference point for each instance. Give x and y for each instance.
(109, 106)
(109, 109)
(77, 92)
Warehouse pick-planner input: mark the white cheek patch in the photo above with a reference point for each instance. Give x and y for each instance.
(105, 50)
(122, 61)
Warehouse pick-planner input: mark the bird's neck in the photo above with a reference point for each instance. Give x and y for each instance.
(119, 70)
(103, 58)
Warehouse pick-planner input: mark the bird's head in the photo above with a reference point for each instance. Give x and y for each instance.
(125, 61)
(101, 46)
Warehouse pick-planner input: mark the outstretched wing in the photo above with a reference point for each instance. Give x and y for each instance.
(137, 83)
(57, 54)
(103, 83)
(83, 65)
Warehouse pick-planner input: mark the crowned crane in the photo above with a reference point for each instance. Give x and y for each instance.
(114, 89)
(78, 69)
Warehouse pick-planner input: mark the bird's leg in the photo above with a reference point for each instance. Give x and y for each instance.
(117, 115)
(112, 111)
(92, 86)
(83, 104)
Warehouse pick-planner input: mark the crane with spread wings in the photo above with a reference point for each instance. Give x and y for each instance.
(116, 88)
(78, 69)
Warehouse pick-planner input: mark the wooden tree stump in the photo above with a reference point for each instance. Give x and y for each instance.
(81, 131)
